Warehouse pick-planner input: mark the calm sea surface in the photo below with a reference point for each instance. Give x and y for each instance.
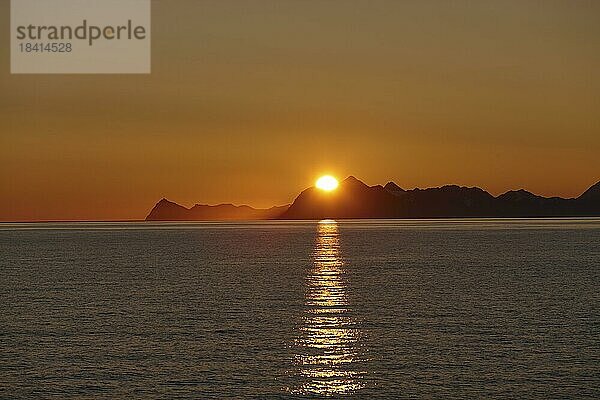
(446, 309)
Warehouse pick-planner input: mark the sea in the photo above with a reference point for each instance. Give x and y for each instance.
(378, 309)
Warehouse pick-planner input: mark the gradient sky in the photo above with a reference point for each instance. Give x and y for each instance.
(249, 101)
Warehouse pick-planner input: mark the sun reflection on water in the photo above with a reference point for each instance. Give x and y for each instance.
(328, 342)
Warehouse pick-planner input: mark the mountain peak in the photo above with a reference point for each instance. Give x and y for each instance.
(166, 210)
(393, 188)
(352, 181)
(518, 194)
(592, 192)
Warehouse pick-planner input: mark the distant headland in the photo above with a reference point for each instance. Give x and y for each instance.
(353, 199)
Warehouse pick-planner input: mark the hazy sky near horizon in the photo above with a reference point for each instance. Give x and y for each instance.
(249, 101)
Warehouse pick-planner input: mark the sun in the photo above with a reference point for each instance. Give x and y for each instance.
(327, 183)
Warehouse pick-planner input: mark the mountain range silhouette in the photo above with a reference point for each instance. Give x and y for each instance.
(166, 210)
(355, 200)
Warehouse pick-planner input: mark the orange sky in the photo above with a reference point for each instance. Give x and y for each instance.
(249, 101)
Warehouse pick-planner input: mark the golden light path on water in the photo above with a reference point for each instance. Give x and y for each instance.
(328, 343)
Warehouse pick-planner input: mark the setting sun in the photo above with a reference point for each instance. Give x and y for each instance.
(327, 183)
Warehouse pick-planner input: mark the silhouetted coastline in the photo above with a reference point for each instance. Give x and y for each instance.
(356, 200)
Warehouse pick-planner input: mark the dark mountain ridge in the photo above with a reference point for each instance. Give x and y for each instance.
(355, 200)
(166, 210)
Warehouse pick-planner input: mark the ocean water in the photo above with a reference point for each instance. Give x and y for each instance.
(447, 309)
